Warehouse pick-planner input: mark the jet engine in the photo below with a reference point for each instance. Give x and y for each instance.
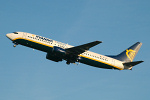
(53, 57)
(59, 51)
(57, 54)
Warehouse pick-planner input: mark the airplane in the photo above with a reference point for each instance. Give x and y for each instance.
(58, 51)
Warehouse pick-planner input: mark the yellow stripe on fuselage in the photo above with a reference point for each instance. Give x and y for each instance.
(101, 62)
(34, 42)
(79, 55)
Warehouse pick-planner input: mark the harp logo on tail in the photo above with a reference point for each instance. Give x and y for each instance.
(130, 54)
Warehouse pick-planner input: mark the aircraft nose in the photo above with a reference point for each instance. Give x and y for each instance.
(8, 36)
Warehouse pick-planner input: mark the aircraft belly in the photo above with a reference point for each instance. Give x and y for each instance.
(34, 45)
(96, 63)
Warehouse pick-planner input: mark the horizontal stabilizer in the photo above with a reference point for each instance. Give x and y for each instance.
(130, 64)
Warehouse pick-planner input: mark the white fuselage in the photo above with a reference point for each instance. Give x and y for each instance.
(51, 43)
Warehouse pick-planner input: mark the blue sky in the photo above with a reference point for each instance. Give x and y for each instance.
(27, 75)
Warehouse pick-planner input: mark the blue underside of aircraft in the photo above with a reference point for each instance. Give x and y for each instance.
(49, 49)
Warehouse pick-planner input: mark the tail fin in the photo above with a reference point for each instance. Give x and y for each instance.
(129, 54)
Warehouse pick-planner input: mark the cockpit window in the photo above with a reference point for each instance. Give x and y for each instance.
(15, 32)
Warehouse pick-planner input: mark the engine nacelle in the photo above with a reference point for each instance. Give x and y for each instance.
(53, 57)
(57, 54)
(59, 51)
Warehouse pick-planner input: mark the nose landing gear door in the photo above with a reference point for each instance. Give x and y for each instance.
(24, 35)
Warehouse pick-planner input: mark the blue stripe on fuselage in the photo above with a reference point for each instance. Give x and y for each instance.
(96, 63)
(48, 48)
(34, 44)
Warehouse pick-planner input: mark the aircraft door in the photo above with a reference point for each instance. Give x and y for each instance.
(24, 35)
(113, 62)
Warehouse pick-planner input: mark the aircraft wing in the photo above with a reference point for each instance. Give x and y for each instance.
(81, 48)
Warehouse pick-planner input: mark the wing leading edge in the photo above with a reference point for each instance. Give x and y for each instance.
(81, 48)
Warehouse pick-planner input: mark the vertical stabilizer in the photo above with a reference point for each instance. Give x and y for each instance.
(129, 54)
